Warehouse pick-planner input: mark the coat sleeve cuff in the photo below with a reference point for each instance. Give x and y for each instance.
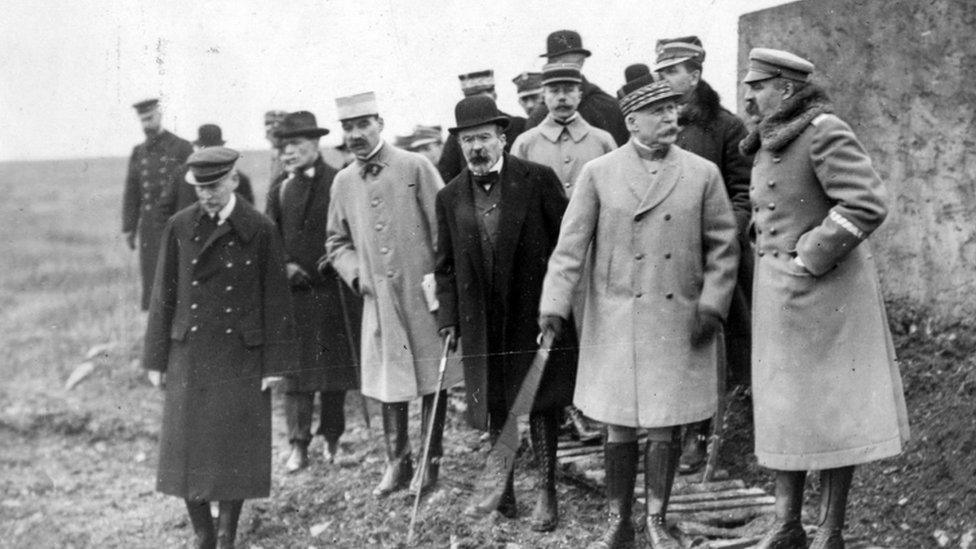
(828, 244)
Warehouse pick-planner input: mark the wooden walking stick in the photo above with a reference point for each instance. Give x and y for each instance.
(721, 418)
(353, 351)
(430, 434)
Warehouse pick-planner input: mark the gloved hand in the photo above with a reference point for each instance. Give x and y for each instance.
(268, 382)
(297, 276)
(707, 324)
(130, 239)
(449, 332)
(551, 323)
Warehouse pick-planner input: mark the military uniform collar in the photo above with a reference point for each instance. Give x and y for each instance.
(240, 218)
(577, 128)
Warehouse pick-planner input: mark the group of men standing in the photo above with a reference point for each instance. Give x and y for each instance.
(621, 227)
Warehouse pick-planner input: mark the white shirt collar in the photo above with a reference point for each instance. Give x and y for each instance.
(309, 171)
(497, 167)
(372, 153)
(224, 212)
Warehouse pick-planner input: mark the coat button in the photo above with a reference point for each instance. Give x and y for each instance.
(229, 264)
(771, 183)
(667, 255)
(196, 239)
(567, 160)
(772, 230)
(148, 208)
(248, 262)
(384, 250)
(756, 209)
(775, 253)
(195, 283)
(638, 257)
(776, 159)
(772, 206)
(638, 295)
(667, 217)
(229, 331)
(378, 226)
(193, 262)
(391, 273)
(229, 310)
(669, 296)
(760, 253)
(231, 243)
(758, 231)
(229, 288)
(193, 305)
(193, 328)
(374, 202)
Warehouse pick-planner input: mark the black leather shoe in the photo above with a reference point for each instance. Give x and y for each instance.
(828, 538)
(784, 535)
(297, 459)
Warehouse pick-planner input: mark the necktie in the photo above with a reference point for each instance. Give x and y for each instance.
(371, 168)
(486, 180)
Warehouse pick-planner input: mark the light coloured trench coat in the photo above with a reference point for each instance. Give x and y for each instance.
(382, 231)
(664, 247)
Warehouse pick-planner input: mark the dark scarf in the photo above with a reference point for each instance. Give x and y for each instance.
(779, 129)
(702, 107)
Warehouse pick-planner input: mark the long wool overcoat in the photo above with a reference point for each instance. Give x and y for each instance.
(151, 195)
(219, 321)
(826, 388)
(532, 206)
(382, 232)
(663, 250)
(326, 306)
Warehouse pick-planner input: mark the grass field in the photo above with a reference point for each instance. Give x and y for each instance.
(77, 467)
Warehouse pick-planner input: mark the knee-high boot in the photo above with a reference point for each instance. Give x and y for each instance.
(436, 442)
(399, 467)
(835, 484)
(230, 513)
(620, 464)
(787, 532)
(543, 427)
(660, 466)
(203, 526)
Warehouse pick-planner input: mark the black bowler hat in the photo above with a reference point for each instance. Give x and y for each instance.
(635, 76)
(299, 124)
(564, 41)
(209, 135)
(477, 110)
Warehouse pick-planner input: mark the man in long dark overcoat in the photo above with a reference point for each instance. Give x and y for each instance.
(325, 309)
(220, 330)
(497, 224)
(713, 133)
(151, 188)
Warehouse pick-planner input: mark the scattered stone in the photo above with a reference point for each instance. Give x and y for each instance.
(941, 537)
(966, 540)
(140, 457)
(317, 529)
(902, 502)
(100, 349)
(79, 373)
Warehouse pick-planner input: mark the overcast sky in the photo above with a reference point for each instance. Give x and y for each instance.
(71, 70)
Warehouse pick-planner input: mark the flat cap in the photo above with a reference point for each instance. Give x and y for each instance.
(765, 63)
(553, 73)
(356, 106)
(145, 105)
(210, 165)
(477, 82)
(672, 51)
(528, 83)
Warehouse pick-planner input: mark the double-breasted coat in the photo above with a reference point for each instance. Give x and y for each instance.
(382, 232)
(565, 148)
(826, 388)
(220, 320)
(598, 107)
(532, 205)
(325, 306)
(150, 197)
(663, 250)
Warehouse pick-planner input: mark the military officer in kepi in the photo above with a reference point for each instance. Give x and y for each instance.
(528, 85)
(661, 274)
(382, 238)
(298, 203)
(827, 393)
(151, 189)
(220, 331)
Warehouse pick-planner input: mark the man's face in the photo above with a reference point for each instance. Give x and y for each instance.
(482, 146)
(562, 99)
(215, 196)
(151, 121)
(530, 102)
(763, 98)
(362, 134)
(680, 78)
(299, 153)
(432, 151)
(655, 126)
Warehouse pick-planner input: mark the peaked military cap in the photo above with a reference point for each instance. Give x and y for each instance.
(528, 83)
(644, 96)
(424, 135)
(210, 165)
(562, 42)
(474, 83)
(672, 51)
(553, 73)
(766, 63)
(145, 105)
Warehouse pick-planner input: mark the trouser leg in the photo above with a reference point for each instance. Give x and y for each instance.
(399, 467)
(298, 416)
(230, 513)
(332, 421)
(660, 465)
(202, 522)
(787, 532)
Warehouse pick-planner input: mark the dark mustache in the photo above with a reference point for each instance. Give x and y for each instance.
(357, 143)
(479, 157)
(751, 108)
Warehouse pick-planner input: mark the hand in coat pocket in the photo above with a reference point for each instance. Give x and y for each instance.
(706, 326)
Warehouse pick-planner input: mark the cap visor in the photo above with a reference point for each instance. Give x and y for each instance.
(660, 65)
(502, 121)
(189, 178)
(315, 132)
(755, 76)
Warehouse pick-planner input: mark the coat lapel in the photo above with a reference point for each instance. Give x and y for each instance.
(649, 189)
(515, 185)
(467, 226)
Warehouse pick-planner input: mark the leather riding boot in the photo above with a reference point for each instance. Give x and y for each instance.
(660, 466)
(399, 467)
(436, 443)
(787, 532)
(583, 428)
(694, 452)
(835, 484)
(230, 512)
(501, 498)
(544, 430)
(297, 458)
(620, 464)
(203, 526)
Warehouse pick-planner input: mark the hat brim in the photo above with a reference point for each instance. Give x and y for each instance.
(502, 121)
(304, 132)
(661, 65)
(526, 93)
(584, 51)
(192, 180)
(562, 80)
(200, 143)
(757, 76)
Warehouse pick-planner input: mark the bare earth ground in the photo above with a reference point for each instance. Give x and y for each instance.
(77, 466)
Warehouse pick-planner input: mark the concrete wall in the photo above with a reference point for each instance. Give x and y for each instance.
(902, 74)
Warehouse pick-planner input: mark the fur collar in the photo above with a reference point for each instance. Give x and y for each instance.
(783, 126)
(703, 105)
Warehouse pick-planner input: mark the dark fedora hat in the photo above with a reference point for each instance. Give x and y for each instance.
(477, 110)
(209, 135)
(564, 41)
(299, 124)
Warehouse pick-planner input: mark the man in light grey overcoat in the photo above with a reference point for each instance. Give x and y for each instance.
(657, 290)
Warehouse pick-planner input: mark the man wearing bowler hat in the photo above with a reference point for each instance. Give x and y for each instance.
(596, 106)
(272, 119)
(151, 189)
(472, 84)
(528, 85)
(210, 135)
(220, 332)
(382, 234)
(827, 393)
(498, 220)
(298, 203)
(653, 227)
(713, 133)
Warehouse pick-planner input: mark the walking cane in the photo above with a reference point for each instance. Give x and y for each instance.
(353, 352)
(430, 435)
